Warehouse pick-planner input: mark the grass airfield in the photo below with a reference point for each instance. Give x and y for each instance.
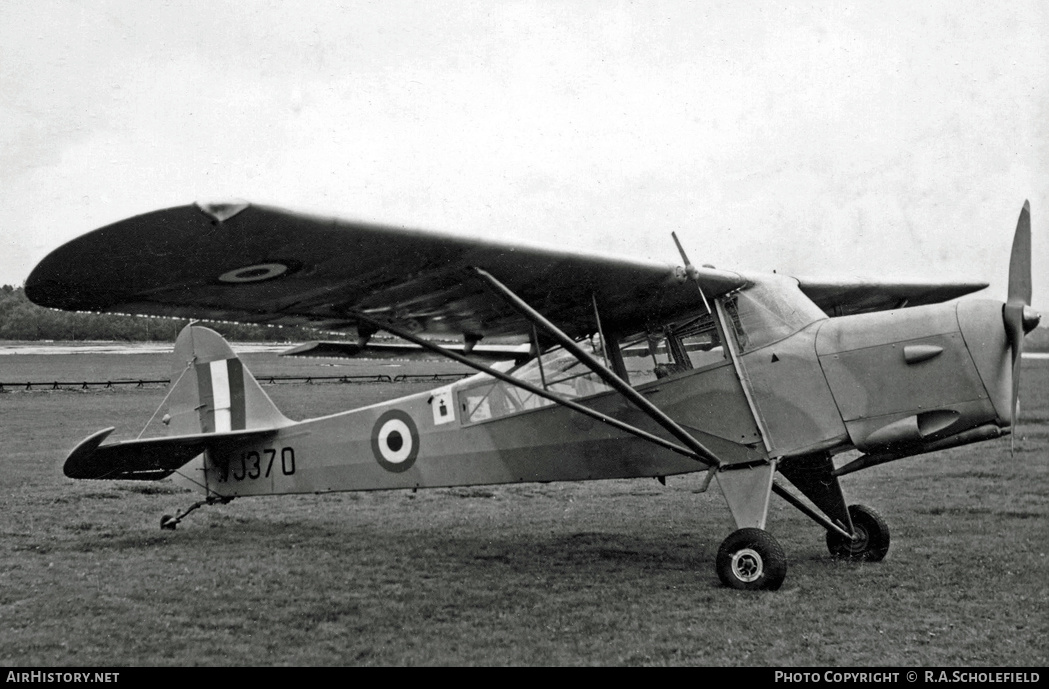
(595, 573)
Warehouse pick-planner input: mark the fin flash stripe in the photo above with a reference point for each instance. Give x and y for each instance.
(221, 389)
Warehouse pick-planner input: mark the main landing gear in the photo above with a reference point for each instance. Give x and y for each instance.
(751, 559)
(870, 540)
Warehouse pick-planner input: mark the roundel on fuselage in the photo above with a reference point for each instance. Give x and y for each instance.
(395, 441)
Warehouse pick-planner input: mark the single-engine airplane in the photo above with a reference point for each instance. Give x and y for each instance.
(758, 379)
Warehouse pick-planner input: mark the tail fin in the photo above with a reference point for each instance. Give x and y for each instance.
(212, 391)
(212, 402)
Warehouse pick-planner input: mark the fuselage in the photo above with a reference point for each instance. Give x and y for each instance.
(776, 379)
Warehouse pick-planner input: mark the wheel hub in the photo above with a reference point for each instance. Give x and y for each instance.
(747, 565)
(860, 539)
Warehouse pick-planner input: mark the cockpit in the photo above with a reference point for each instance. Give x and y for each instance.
(762, 313)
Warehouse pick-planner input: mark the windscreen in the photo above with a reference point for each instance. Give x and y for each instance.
(768, 311)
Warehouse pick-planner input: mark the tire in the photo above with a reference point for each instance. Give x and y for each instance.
(168, 523)
(873, 542)
(751, 560)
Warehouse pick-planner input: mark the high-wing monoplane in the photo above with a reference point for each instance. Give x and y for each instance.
(616, 367)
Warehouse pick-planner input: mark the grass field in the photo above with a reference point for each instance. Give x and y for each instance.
(609, 572)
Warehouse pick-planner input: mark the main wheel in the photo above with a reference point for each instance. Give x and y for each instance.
(872, 537)
(168, 523)
(751, 560)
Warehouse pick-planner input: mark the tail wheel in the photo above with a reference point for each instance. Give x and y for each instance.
(872, 537)
(751, 560)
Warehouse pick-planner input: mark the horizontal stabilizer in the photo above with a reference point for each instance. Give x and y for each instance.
(147, 460)
(394, 350)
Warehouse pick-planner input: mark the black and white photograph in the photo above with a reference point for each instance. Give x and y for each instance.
(525, 333)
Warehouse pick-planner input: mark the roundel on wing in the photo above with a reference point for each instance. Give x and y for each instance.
(258, 272)
(395, 441)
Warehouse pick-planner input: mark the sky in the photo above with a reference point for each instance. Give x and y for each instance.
(886, 140)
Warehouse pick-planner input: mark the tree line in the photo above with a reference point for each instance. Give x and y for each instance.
(21, 319)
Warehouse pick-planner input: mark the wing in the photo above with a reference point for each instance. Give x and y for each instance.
(146, 460)
(851, 296)
(247, 263)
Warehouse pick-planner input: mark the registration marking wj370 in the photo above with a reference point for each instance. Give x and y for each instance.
(254, 464)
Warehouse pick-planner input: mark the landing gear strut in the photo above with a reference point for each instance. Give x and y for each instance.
(871, 537)
(751, 559)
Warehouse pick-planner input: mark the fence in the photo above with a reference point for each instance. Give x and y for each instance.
(264, 380)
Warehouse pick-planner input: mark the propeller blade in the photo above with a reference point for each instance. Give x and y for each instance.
(681, 250)
(1013, 314)
(1020, 261)
(691, 271)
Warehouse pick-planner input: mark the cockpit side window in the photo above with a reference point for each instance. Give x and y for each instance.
(701, 343)
(675, 348)
(659, 351)
(557, 371)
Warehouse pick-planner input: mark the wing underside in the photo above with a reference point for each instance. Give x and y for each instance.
(262, 265)
(845, 297)
(255, 264)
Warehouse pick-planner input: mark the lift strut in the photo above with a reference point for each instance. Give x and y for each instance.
(617, 383)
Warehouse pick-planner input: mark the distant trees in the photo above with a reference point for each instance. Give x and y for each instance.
(20, 319)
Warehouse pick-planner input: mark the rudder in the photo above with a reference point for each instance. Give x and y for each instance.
(212, 390)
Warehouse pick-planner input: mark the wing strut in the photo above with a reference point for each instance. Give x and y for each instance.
(534, 389)
(617, 383)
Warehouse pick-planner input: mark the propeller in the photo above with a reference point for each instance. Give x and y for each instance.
(1017, 314)
(691, 272)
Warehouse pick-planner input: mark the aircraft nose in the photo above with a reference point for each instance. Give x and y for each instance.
(986, 338)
